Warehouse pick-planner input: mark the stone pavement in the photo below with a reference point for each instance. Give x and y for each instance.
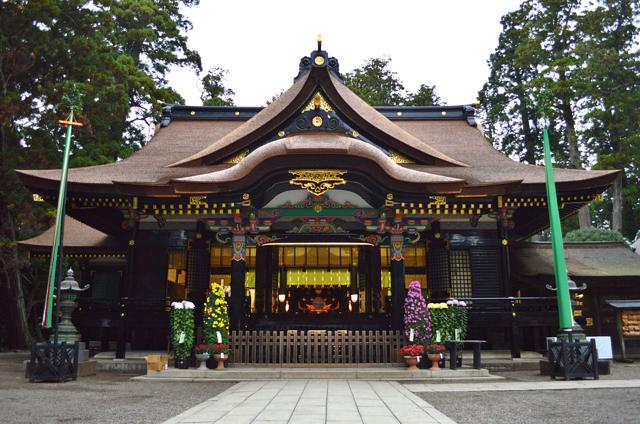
(314, 401)
(524, 386)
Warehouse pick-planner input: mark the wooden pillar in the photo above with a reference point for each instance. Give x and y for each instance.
(198, 270)
(375, 279)
(238, 276)
(126, 289)
(398, 292)
(263, 279)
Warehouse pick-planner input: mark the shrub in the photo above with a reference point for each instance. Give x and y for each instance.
(215, 316)
(182, 328)
(416, 315)
(593, 234)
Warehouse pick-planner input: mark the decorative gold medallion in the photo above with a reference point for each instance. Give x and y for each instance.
(319, 60)
(316, 121)
(318, 181)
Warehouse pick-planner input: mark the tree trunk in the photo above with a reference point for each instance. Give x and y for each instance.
(584, 215)
(616, 200)
(11, 288)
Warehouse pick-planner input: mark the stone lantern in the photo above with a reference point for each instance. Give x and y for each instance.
(69, 290)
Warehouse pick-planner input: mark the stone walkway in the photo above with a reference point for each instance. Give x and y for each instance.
(524, 385)
(314, 402)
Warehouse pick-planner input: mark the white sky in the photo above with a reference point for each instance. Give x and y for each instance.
(446, 43)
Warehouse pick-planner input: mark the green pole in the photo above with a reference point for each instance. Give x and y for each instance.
(56, 250)
(559, 264)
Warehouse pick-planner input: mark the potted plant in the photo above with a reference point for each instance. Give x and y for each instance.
(220, 354)
(417, 321)
(410, 353)
(215, 322)
(434, 352)
(182, 332)
(202, 354)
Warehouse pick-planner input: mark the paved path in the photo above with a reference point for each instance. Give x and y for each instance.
(314, 402)
(524, 385)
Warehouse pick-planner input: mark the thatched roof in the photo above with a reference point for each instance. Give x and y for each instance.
(584, 259)
(78, 238)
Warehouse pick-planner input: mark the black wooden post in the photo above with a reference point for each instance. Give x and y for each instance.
(375, 279)
(199, 268)
(126, 290)
(238, 276)
(398, 293)
(263, 278)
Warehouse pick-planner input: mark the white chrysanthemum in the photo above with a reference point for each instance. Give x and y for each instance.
(177, 305)
(188, 305)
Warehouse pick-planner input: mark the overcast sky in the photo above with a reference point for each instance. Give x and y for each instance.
(446, 43)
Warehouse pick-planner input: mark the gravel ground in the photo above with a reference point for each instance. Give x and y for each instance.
(594, 406)
(105, 398)
(585, 406)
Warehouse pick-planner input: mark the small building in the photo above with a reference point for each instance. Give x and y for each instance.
(316, 211)
(609, 270)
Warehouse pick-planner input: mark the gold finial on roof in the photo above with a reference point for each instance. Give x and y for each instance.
(319, 38)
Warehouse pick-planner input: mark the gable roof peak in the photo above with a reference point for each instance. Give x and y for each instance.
(318, 59)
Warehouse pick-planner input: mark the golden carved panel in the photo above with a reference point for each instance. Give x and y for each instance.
(318, 102)
(317, 181)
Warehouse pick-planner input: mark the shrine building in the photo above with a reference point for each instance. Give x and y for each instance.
(316, 212)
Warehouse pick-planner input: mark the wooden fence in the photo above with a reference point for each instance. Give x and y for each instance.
(316, 347)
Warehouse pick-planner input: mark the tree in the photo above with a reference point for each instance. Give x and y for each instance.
(512, 119)
(611, 74)
(378, 85)
(214, 93)
(118, 54)
(375, 83)
(424, 96)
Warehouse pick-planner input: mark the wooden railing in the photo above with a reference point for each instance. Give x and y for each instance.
(316, 347)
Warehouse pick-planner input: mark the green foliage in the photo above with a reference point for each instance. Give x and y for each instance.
(214, 93)
(593, 234)
(378, 85)
(117, 54)
(215, 318)
(575, 67)
(182, 330)
(446, 318)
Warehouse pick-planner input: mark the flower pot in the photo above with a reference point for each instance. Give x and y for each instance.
(211, 363)
(220, 360)
(202, 357)
(412, 362)
(181, 363)
(434, 358)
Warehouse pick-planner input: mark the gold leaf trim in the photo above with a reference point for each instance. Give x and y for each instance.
(317, 181)
(318, 102)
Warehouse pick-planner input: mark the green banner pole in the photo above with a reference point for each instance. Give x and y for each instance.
(55, 266)
(559, 264)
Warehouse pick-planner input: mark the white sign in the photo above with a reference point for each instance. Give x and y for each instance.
(222, 355)
(411, 334)
(181, 339)
(219, 337)
(437, 335)
(603, 344)
(457, 333)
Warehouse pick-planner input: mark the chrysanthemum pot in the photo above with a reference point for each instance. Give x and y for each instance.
(412, 362)
(181, 363)
(434, 358)
(220, 359)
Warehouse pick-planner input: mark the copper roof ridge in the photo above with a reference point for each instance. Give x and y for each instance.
(314, 143)
(361, 108)
(314, 76)
(276, 108)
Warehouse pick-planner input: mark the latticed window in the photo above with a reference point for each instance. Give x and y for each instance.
(460, 273)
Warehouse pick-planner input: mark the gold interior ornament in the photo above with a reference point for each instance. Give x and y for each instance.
(318, 181)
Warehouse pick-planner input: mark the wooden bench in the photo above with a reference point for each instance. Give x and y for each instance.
(452, 346)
